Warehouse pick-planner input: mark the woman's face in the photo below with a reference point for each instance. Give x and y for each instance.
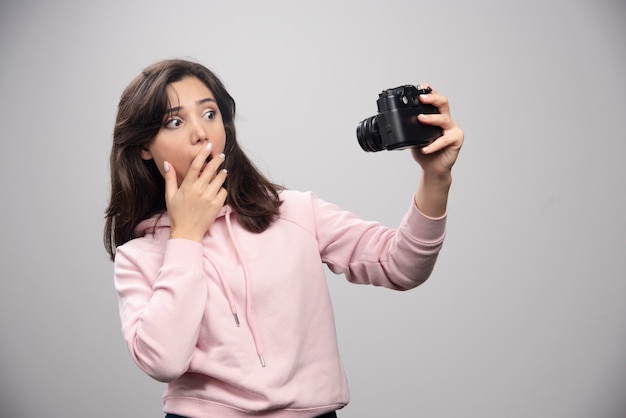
(193, 120)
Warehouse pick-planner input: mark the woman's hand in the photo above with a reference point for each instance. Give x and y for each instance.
(193, 206)
(438, 157)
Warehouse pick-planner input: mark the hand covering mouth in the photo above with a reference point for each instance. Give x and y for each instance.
(206, 162)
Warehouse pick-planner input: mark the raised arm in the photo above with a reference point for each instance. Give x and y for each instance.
(437, 158)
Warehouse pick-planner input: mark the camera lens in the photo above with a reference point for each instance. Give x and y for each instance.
(368, 135)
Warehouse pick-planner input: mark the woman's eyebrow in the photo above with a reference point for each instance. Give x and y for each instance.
(207, 100)
(176, 109)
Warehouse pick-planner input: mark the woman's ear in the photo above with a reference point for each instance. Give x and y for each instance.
(146, 154)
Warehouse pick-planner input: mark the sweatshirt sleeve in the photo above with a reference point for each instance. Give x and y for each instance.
(369, 253)
(161, 305)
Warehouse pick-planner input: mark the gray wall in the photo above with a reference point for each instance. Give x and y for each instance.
(525, 314)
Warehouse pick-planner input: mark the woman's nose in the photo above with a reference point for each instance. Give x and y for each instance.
(198, 132)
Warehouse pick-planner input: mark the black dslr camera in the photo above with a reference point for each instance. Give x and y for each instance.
(396, 125)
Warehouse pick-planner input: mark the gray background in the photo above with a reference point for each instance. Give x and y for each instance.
(525, 314)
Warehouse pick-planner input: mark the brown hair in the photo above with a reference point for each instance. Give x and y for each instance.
(137, 187)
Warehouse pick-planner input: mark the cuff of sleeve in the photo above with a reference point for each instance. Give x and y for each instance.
(182, 251)
(424, 228)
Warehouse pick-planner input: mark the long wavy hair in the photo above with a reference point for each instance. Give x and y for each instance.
(137, 187)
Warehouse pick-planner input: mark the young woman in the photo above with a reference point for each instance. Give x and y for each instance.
(219, 272)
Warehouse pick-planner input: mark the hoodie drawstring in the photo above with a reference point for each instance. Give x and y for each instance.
(229, 295)
(249, 313)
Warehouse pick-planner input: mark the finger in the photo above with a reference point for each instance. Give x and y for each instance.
(438, 144)
(437, 100)
(209, 169)
(217, 182)
(452, 138)
(437, 119)
(171, 183)
(198, 163)
(222, 194)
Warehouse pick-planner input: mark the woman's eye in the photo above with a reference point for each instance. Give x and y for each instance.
(173, 123)
(209, 114)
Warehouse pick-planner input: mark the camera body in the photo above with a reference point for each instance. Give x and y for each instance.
(396, 125)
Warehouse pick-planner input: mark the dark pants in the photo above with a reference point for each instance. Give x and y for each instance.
(326, 415)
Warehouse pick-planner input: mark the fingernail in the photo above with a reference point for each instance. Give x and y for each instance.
(425, 149)
(166, 166)
(209, 146)
(222, 156)
(225, 171)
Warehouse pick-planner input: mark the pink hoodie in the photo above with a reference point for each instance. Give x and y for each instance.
(242, 324)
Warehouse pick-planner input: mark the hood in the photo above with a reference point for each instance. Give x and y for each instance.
(162, 220)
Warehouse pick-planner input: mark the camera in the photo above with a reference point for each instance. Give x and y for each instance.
(396, 125)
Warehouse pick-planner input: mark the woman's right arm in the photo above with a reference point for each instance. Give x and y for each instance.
(161, 316)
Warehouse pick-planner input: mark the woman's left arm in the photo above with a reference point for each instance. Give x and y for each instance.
(437, 158)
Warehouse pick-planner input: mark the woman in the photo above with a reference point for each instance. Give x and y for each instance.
(219, 272)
